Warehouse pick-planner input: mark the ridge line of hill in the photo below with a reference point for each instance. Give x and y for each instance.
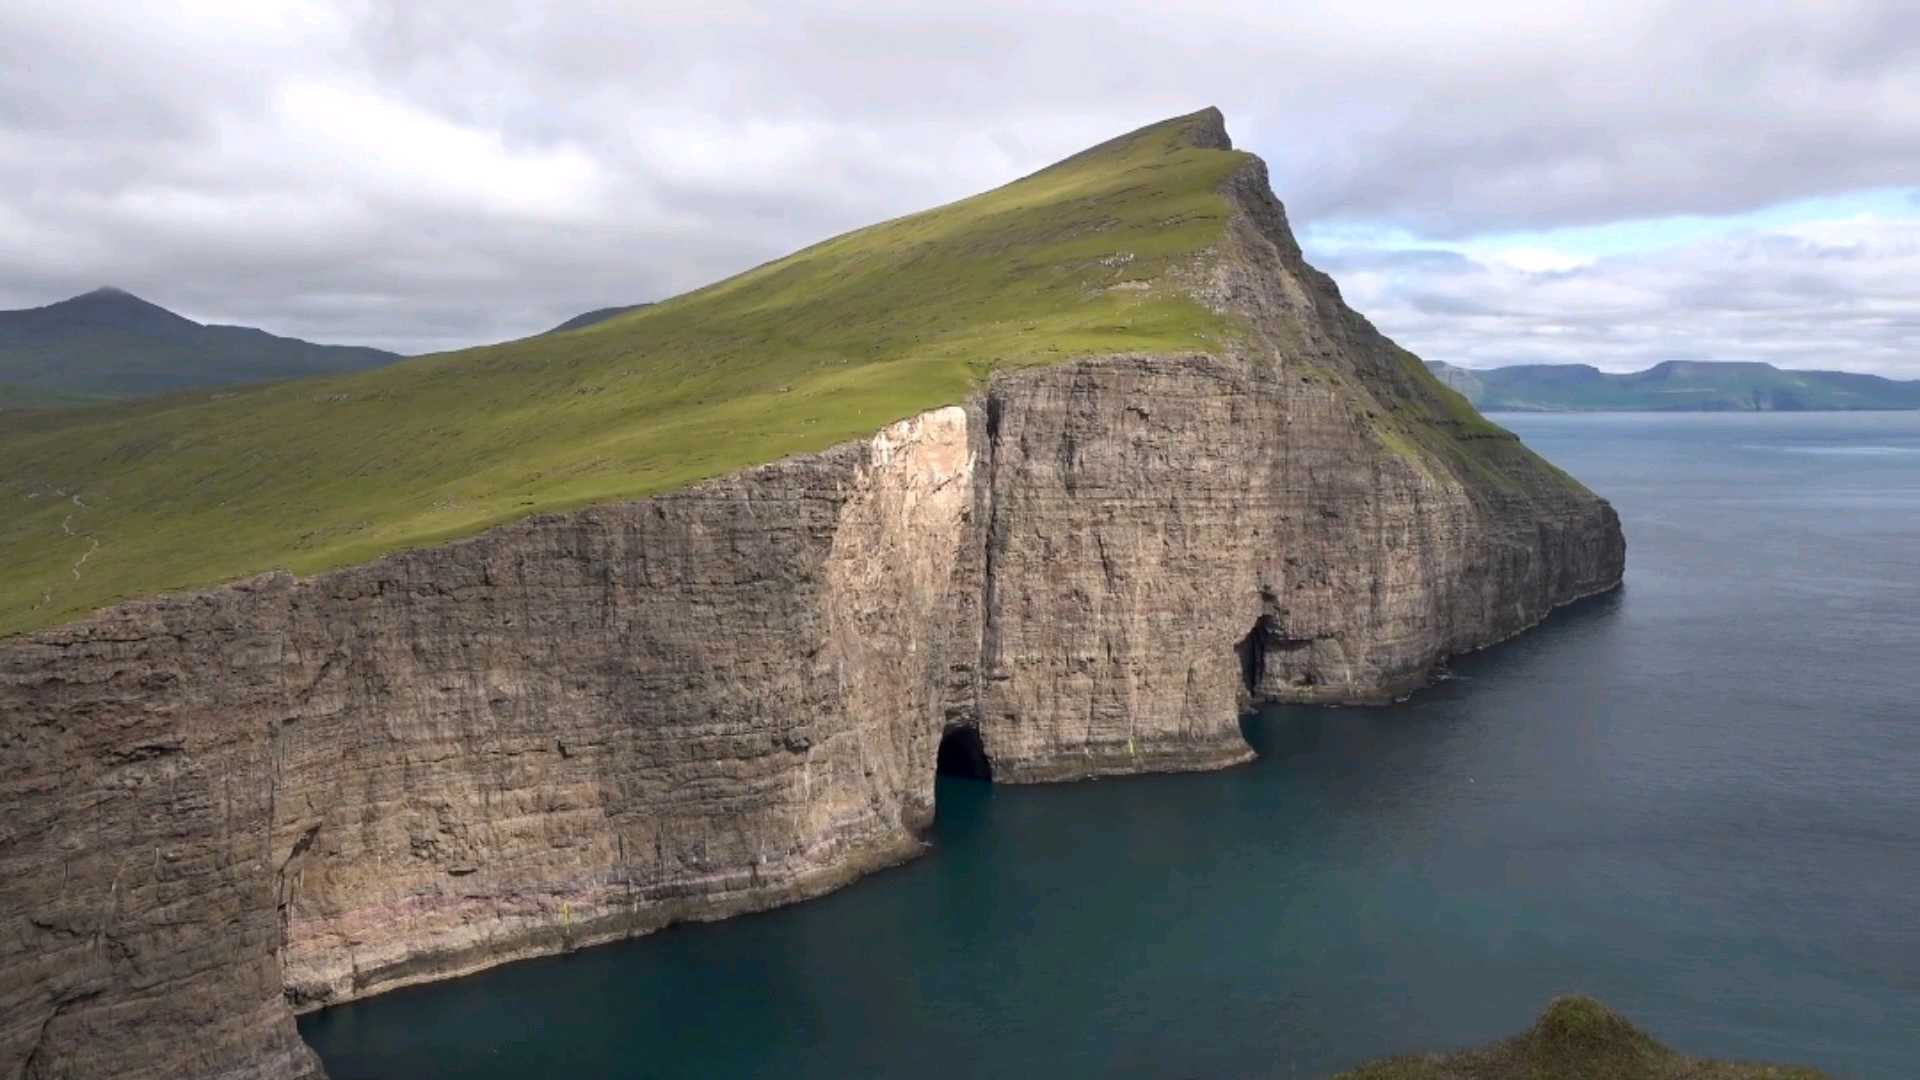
(108, 344)
(1088, 257)
(1676, 386)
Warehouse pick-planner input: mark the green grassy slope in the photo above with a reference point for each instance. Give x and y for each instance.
(1577, 1038)
(1430, 425)
(597, 315)
(14, 396)
(825, 345)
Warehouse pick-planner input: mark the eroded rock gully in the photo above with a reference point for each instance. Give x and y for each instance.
(222, 807)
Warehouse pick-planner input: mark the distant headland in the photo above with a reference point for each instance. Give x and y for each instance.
(1675, 386)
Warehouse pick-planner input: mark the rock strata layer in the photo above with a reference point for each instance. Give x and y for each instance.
(220, 808)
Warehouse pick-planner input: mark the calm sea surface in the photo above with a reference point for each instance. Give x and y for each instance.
(1698, 799)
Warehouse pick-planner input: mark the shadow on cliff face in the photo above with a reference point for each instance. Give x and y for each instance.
(963, 755)
(1269, 656)
(1281, 729)
(1253, 654)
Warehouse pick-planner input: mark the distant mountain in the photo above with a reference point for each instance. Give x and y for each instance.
(1675, 386)
(111, 344)
(597, 315)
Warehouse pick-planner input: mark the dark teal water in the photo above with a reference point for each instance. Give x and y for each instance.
(1698, 798)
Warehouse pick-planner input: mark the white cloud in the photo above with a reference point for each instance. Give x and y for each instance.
(436, 173)
(1827, 294)
(1530, 259)
(400, 154)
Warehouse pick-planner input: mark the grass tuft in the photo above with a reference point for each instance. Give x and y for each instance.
(1577, 1038)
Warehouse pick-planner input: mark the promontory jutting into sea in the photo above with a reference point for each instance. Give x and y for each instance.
(405, 706)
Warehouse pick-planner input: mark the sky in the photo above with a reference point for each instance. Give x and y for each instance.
(1610, 183)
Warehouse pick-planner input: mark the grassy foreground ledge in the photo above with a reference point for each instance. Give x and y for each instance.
(1577, 1038)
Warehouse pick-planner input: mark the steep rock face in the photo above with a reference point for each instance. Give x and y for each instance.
(137, 927)
(567, 730)
(216, 808)
(596, 724)
(1171, 537)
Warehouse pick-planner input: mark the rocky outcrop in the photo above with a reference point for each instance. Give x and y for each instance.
(219, 808)
(1171, 539)
(1309, 519)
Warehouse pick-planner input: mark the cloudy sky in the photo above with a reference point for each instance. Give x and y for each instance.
(1615, 183)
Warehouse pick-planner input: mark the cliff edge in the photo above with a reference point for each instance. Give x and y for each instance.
(219, 807)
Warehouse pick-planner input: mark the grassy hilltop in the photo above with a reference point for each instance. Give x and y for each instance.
(827, 344)
(1577, 1038)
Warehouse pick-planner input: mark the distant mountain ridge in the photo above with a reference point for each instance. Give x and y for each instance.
(109, 344)
(597, 315)
(1675, 386)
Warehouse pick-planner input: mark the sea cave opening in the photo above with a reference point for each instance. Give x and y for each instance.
(962, 754)
(1253, 653)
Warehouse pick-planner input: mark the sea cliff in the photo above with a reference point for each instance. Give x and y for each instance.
(221, 807)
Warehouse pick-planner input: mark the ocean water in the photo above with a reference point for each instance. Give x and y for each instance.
(1697, 798)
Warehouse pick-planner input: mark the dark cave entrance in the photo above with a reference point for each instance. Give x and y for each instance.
(1268, 655)
(962, 754)
(1253, 653)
